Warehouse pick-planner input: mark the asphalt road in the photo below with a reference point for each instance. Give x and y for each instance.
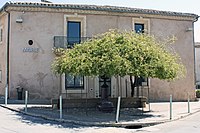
(190, 124)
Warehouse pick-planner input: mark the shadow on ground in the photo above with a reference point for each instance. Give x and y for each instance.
(88, 115)
(30, 120)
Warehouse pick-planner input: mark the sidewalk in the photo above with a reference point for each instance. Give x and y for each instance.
(91, 117)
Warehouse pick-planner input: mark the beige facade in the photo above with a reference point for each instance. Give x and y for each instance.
(30, 65)
(3, 53)
(197, 64)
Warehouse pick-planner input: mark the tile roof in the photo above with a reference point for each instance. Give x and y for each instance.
(100, 8)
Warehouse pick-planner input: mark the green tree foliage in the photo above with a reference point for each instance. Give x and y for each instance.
(117, 53)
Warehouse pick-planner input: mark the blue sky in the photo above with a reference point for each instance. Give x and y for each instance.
(187, 6)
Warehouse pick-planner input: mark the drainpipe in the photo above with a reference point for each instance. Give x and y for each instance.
(195, 20)
(8, 53)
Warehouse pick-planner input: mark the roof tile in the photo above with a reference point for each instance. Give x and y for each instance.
(101, 8)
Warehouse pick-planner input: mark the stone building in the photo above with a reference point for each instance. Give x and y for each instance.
(29, 31)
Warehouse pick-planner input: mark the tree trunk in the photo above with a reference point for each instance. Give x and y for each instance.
(132, 86)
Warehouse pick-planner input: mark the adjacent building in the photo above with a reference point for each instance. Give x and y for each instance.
(29, 31)
(197, 64)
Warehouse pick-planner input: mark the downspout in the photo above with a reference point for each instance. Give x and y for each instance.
(8, 54)
(195, 20)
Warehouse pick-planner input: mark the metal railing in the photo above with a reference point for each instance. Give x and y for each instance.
(68, 42)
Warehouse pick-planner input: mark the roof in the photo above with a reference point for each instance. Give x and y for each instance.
(100, 8)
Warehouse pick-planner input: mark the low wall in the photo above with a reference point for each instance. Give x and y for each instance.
(132, 102)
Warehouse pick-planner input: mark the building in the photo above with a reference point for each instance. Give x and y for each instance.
(197, 64)
(29, 31)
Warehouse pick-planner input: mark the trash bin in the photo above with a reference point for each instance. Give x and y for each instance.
(19, 92)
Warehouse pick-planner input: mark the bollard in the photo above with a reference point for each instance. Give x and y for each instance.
(149, 107)
(118, 107)
(60, 107)
(26, 100)
(170, 107)
(6, 95)
(149, 99)
(188, 103)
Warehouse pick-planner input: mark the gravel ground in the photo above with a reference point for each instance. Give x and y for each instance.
(92, 117)
(90, 114)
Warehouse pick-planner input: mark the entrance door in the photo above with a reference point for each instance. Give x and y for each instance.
(108, 82)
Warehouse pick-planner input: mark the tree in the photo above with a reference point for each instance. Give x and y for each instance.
(117, 53)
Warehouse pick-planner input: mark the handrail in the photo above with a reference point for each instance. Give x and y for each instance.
(68, 42)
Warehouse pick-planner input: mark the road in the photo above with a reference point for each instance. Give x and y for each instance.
(13, 122)
(190, 124)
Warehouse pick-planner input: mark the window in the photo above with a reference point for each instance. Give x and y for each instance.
(74, 82)
(73, 33)
(0, 76)
(141, 25)
(139, 28)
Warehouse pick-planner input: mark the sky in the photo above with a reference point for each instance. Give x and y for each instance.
(185, 6)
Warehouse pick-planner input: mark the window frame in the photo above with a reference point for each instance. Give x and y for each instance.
(146, 23)
(73, 91)
(75, 18)
(74, 87)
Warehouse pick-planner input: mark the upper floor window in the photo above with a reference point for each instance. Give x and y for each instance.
(73, 33)
(141, 25)
(139, 28)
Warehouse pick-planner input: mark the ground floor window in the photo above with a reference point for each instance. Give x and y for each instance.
(74, 82)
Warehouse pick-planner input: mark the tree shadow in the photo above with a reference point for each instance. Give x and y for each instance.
(34, 120)
(82, 115)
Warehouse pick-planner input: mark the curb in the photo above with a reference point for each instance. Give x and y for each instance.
(123, 125)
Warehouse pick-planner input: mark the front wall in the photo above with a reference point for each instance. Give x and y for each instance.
(97, 24)
(32, 70)
(161, 90)
(3, 47)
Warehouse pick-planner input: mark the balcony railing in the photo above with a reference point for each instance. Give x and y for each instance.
(68, 42)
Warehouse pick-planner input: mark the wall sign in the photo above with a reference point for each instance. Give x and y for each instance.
(31, 50)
